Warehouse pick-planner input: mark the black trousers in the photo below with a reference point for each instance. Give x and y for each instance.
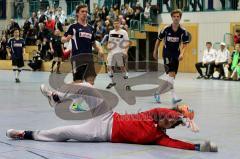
(220, 66)
(209, 68)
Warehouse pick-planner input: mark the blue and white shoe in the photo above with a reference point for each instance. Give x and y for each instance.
(77, 108)
(157, 97)
(175, 101)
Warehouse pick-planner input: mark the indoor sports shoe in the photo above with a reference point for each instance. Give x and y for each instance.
(49, 94)
(17, 80)
(110, 85)
(157, 97)
(15, 134)
(128, 88)
(175, 101)
(208, 146)
(200, 77)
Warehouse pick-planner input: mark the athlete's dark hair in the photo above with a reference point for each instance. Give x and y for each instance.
(16, 29)
(116, 20)
(80, 7)
(208, 43)
(176, 11)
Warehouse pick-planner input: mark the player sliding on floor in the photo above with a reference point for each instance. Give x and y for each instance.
(148, 127)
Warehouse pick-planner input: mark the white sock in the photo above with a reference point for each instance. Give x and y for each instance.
(173, 93)
(235, 70)
(170, 79)
(226, 71)
(17, 74)
(110, 73)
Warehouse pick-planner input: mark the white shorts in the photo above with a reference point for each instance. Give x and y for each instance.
(115, 59)
(57, 59)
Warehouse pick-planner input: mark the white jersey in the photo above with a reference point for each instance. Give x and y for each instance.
(118, 40)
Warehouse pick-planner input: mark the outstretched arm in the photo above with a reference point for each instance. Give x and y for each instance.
(207, 146)
(165, 140)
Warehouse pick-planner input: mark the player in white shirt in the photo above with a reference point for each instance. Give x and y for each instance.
(221, 59)
(208, 61)
(118, 44)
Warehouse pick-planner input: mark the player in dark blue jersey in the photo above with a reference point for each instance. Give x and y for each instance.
(172, 35)
(82, 37)
(16, 49)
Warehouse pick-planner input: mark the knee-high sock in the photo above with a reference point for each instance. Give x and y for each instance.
(53, 63)
(164, 84)
(18, 73)
(173, 93)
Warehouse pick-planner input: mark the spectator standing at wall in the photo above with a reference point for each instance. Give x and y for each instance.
(210, 5)
(234, 4)
(112, 14)
(116, 10)
(197, 3)
(108, 28)
(104, 13)
(147, 11)
(100, 31)
(33, 19)
(137, 14)
(18, 8)
(58, 25)
(50, 24)
(31, 36)
(129, 13)
(60, 14)
(237, 37)
(166, 2)
(138, 6)
(13, 25)
(124, 25)
(3, 48)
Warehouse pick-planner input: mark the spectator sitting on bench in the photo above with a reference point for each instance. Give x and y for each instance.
(208, 61)
(222, 57)
(235, 66)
